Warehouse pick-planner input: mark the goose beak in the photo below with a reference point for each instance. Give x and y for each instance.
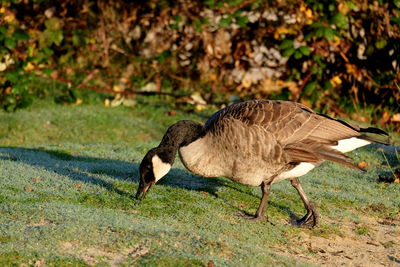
(142, 191)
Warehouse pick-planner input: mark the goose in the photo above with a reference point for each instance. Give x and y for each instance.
(258, 143)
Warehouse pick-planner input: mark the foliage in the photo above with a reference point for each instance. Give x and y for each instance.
(327, 54)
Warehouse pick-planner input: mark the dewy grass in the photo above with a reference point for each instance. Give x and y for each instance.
(80, 210)
(388, 164)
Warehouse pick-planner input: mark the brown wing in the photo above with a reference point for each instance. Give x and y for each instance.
(301, 134)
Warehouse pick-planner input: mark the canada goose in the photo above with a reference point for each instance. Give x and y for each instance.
(257, 143)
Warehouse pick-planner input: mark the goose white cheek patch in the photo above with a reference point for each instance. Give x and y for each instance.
(160, 168)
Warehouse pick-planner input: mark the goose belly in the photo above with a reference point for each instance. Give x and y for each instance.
(207, 160)
(300, 170)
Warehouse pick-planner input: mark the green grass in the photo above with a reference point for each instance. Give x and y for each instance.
(80, 210)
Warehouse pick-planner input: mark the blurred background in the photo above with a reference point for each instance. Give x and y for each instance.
(337, 57)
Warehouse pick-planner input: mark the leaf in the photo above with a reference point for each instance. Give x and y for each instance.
(3, 30)
(55, 36)
(48, 51)
(395, 20)
(396, 117)
(335, 81)
(172, 113)
(163, 56)
(10, 100)
(27, 188)
(197, 24)
(47, 71)
(35, 179)
(310, 87)
(328, 85)
(305, 50)
(314, 69)
(52, 24)
(381, 43)
(20, 35)
(178, 19)
(288, 52)
(242, 21)
(12, 76)
(3, 66)
(362, 164)
(226, 22)
(329, 34)
(10, 43)
(319, 32)
(286, 44)
(209, 3)
(340, 20)
(205, 193)
(237, 13)
(316, 25)
(298, 54)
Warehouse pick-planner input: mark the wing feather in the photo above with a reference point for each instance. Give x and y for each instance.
(301, 134)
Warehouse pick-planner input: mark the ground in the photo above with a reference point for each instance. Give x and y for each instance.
(69, 173)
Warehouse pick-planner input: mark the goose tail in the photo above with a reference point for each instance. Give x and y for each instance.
(375, 135)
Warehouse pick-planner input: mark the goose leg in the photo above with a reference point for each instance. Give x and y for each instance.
(265, 188)
(312, 215)
(260, 213)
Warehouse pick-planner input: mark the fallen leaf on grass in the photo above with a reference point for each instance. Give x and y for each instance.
(210, 264)
(205, 193)
(78, 185)
(27, 188)
(171, 113)
(362, 164)
(35, 179)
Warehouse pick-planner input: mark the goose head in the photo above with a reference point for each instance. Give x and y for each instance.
(153, 167)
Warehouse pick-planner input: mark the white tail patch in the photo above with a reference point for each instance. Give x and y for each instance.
(350, 144)
(297, 171)
(160, 168)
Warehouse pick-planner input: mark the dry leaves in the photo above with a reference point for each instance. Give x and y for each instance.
(395, 118)
(27, 188)
(205, 193)
(362, 164)
(171, 113)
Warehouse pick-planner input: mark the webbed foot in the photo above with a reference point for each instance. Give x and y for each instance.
(310, 220)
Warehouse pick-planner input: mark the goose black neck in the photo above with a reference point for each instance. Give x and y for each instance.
(179, 134)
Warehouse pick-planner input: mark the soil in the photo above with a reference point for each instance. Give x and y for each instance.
(375, 242)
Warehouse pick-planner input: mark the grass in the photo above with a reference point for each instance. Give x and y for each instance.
(68, 174)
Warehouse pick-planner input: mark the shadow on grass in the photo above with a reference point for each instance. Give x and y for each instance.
(85, 169)
(88, 169)
(285, 208)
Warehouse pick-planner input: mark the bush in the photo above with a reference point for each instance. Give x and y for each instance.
(328, 54)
